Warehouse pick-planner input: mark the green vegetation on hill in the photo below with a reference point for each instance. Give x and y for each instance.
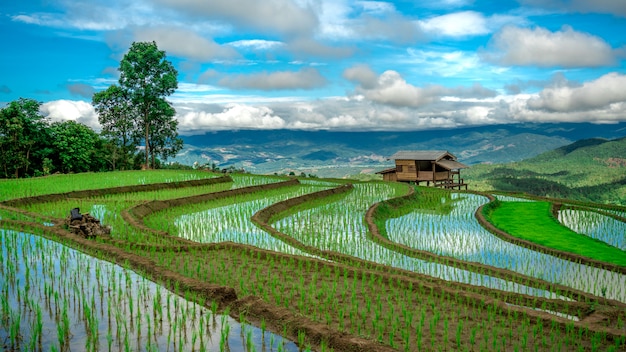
(533, 222)
(588, 170)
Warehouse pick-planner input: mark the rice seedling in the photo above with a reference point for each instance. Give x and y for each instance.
(81, 317)
(458, 234)
(403, 311)
(18, 188)
(229, 219)
(339, 227)
(595, 225)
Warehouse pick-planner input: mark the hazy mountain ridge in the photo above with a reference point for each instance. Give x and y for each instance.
(339, 154)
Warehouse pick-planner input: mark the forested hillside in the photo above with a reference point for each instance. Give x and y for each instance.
(590, 169)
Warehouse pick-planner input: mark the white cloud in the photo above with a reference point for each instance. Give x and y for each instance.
(467, 24)
(446, 63)
(369, 20)
(256, 44)
(234, 116)
(540, 47)
(306, 78)
(75, 110)
(458, 24)
(390, 88)
(597, 94)
(186, 44)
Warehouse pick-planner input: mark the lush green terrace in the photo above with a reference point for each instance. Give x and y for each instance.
(533, 221)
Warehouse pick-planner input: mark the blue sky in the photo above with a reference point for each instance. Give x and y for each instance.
(329, 64)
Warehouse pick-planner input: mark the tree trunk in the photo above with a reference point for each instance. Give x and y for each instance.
(147, 137)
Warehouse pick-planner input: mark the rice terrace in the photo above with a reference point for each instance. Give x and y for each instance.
(241, 262)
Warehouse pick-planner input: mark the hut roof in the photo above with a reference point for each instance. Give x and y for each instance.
(432, 155)
(451, 164)
(387, 171)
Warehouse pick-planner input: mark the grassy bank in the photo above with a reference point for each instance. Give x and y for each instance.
(532, 221)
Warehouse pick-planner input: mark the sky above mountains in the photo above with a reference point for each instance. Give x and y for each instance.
(329, 64)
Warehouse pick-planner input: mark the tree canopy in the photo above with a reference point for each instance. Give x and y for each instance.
(146, 78)
(117, 116)
(23, 137)
(133, 110)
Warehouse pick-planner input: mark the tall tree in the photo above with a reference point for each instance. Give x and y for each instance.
(148, 77)
(117, 117)
(23, 132)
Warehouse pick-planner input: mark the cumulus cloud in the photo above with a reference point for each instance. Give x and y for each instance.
(185, 43)
(615, 7)
(394, 27)
(75, 110)
(234, 116)
(284, 17)
(93, 15)
(597, 94)
(306, 78)
(365, 20)
(391, 88)
(363, 75)
(307, 47)
(474, 91)
(541, 47)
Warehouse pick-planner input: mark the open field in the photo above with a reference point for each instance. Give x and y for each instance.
(326, 265)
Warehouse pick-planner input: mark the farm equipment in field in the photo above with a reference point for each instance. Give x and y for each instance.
(85, 225)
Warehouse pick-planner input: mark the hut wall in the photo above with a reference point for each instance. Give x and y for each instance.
(390, 176)
(406, 170)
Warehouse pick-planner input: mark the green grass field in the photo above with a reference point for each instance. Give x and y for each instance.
(532, 221)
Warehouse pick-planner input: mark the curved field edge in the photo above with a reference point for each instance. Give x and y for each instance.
(15, 205)
(376, 215)
(60, 183)
(533, 221)
(556, 207)
(135, 216)
(114, 190)
(591, 311)
(294, 321)
(277, 319)
(480, 215)
(254, 309)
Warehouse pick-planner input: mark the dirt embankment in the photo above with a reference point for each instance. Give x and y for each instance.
(469, 292)
(135, 215)
(504, 274)
(21, 202)
(279, 318)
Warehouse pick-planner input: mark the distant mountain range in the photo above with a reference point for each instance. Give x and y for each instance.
(589, 169)
(342, 154)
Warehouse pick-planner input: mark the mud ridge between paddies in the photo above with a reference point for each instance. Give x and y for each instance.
(596, 313)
